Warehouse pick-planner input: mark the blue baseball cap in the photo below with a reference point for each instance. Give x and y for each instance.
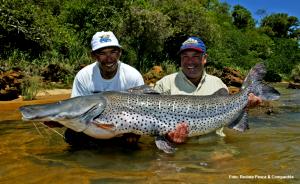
(193, 43)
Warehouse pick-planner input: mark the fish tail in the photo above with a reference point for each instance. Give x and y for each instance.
(253, 83)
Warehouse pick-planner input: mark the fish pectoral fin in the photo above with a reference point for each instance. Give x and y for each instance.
(163, 144)
(220, 132)
(105, 126)
(241, 123)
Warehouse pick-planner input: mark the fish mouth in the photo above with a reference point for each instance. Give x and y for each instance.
(32, 113)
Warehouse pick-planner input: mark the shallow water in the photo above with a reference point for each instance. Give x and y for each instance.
(268, 153)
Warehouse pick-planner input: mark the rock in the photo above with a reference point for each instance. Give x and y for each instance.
(10, 84)
(293, 85)
(153, 75)
(232, 77)
(233, 90)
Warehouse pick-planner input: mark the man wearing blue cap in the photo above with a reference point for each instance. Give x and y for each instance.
(192, 80)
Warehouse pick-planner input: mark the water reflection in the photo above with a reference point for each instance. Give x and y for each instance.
(270, 147)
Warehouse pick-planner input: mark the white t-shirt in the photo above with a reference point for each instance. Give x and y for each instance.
(89, 80)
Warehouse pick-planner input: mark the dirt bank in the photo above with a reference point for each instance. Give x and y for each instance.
(9, 109)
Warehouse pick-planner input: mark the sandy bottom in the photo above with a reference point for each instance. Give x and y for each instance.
(9, 109)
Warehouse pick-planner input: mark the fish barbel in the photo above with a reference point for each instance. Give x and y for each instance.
(109, 114)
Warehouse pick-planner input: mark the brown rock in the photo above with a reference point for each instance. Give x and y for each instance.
(233, 90)
(232, 77)
(153, 75)
(10, 84)
(293, 85)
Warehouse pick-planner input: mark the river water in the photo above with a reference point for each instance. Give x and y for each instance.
(267, 153)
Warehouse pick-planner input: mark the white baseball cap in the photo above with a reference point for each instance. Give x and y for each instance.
(104, 39)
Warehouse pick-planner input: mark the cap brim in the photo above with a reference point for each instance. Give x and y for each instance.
(191, 48)
(105, 46)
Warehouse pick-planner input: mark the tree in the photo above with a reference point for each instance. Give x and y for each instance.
(242, 18)
(280, 25)
(144, 33)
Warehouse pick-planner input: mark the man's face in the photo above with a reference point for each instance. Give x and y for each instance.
(108, 59)
(192, 64)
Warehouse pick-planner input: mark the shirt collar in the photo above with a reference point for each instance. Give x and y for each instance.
(204, 74)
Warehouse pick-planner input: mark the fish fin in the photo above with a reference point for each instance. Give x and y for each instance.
(163, 144)
(241, 123)
(106, 126)
(221, 92)
(143, 89)
(220, 132)
(253, 83)
(268, 93)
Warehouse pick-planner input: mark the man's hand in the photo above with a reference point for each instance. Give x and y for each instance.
(179, 135)
(52, 124)
(253, 100)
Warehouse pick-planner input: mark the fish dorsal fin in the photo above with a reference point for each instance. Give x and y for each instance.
(143, 89)
(221, 92)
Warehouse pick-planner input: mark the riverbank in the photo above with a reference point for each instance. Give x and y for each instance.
(9, 109)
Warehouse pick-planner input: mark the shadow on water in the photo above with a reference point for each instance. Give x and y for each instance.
(269, 149)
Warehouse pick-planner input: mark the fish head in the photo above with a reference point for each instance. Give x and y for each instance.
(75, 113)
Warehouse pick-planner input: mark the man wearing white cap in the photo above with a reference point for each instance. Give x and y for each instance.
(108, 72)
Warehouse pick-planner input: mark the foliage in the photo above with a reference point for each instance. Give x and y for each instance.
(146, 31)
(242, 17)
(296, 73)
(281, 25)
(285, 56)
(37, 34)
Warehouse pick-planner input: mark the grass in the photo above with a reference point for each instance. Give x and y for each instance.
(31, 86)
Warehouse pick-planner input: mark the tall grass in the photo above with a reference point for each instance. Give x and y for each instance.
(30, 87)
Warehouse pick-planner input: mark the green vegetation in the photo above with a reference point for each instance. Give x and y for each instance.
(296, 73)
(36, 34)
(31, 86)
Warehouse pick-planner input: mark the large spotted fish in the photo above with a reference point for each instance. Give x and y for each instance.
(109, 114)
